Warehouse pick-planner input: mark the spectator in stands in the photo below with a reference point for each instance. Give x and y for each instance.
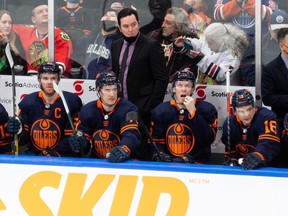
(73, 16)
(97, 45)
(242, 14)
(252, 134)
(7, 35)
(158, 10)
(35, 42)
(274, 79)
(218, 50)
(197, 14)
(269, 46)
(184, 128)
(176, 23)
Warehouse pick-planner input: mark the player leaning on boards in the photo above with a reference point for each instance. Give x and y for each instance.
(46, 124)
(107, 121)
(184, 128)
(254, 133)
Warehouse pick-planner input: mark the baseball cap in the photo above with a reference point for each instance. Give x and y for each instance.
(73, 1)
(279, 19)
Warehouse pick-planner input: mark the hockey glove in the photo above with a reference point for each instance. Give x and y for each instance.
(185, 158)
(77, 142)
(286, 121)
(162, 157)
(252, 161)
(119, 154)
(232, 162)
(14, 125)
(49, 153)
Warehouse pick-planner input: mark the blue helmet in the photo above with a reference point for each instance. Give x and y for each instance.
(106, 79)
(184, 74)
(241, 98)
(49, 67)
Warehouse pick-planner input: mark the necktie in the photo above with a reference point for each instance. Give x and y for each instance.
(123, 68)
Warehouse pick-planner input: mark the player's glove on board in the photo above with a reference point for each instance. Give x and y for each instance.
(162, 157)
(119, 154)
(49, 153)
(14, 125)
(252, 161)
(77, 142)
(185, 158)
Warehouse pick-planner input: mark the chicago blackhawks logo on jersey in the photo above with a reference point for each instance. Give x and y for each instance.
(104, 141)
(180, 139)
(45, 133)
(38, 53)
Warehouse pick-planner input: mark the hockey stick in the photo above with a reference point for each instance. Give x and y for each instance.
(14, 142)
(228, 113)
(59, 91)
(135, 116)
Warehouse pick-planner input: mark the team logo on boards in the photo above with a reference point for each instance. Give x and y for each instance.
(104, 141)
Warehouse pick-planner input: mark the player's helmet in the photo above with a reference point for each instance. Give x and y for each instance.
(241, 98)
(106, 79)
(49, 67)
(184, 74)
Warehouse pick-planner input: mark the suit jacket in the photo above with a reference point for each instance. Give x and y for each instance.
(147, 76)
(274, 86)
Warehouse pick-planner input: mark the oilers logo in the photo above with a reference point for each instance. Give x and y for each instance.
(180, 139)
(45, 133)
(104, 141)
(244, 149)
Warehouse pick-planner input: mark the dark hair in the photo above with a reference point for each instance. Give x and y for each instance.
(282, 34)
(127, 12)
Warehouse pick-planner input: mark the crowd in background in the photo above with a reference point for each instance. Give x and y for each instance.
(91, 32)
(184, 43)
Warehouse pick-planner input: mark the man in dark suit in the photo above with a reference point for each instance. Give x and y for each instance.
(143, 73)
(275, 78)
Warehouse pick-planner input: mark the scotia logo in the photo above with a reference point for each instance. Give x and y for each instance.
(200, 90)
(78, 87)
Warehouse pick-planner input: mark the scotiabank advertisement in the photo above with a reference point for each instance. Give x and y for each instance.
(85, 89)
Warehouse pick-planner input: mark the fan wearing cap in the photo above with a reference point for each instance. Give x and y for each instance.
(110, 122)
(269, 46)
(46, 124)
(252, 133)
(73, 16)
(184, 128)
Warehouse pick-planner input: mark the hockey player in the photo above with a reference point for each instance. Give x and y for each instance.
(46, 124)
(8, 127)
(254, 134)
(184, 128)
(35, 42)
(106, 122)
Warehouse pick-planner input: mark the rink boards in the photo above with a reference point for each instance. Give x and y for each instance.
(67, 186)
